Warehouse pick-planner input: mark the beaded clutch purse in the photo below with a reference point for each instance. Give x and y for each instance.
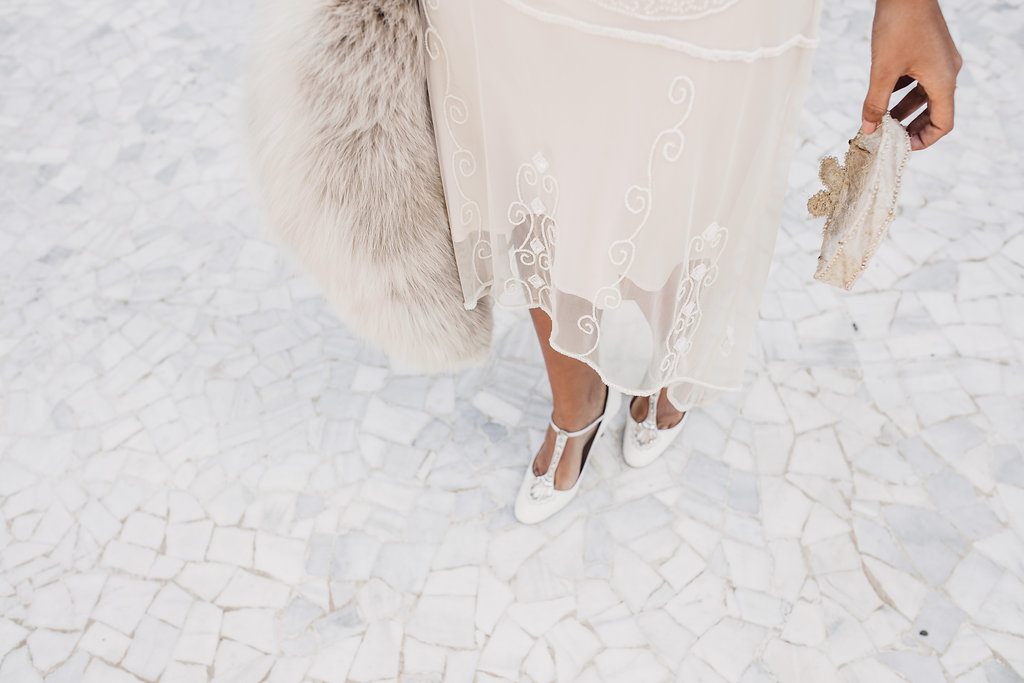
(859, 201)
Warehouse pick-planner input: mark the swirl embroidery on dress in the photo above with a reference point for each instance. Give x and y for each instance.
(669, 144)
(533, 213)
(463, 161)
(701, 271)
(725, 348)
(666, 9)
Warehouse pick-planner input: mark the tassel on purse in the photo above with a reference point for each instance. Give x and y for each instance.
(342, 151)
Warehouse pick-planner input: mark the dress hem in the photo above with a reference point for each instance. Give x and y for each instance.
(622, 389)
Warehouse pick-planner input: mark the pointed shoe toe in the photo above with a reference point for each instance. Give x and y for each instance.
(643, 442)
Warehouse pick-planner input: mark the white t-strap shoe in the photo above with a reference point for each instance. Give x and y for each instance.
(538, 498)
(643, 442)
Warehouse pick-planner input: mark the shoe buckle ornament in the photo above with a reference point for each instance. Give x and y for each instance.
(646, 432)
(544, 485)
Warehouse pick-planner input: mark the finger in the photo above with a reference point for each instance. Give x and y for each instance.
(903, 82)
(923, 131)
(877, 101)
(910, 103)
(940, 115)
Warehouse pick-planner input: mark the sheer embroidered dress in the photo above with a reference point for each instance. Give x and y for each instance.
(622, 164)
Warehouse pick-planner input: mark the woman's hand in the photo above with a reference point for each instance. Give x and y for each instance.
(910, 42)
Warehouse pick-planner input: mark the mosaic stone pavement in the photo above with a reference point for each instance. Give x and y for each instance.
(204, 476)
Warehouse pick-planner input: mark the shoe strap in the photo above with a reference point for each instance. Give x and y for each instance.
(578, 431)
(652, 410)
(564, 435)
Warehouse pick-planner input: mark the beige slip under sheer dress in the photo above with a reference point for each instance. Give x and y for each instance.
(622, 164)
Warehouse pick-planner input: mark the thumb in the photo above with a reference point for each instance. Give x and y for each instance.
(876, 104)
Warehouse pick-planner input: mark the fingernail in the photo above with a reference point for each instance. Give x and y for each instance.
(868, 127)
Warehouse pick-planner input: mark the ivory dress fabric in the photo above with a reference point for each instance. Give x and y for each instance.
(622, 165)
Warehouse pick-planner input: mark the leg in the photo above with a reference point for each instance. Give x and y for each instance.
(668, 416)
(578, 395)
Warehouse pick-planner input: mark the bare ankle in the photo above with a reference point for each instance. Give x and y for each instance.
(667, 414)
(576, 412)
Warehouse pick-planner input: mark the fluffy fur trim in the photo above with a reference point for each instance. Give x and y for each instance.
(342, 151)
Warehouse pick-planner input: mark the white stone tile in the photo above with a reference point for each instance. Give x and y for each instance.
(392, 422)
(237, 661)
(460, 667)
(444, 620)
(99, 672)
(460, 581)
(684, 565)
(281, 558)
(505, 650)
(763, 405)
(594, 596)
(497, 408)
(493, 596)
(749, 567)
(966, 651)
(573, 646)
(537, 617)
(231, 545)
(11, 634)
(695, 669)
(852, 590)
(760, 608)
(629, 663)
(143, 529)
(869, 671)
(1002, 608)
(937, 621)
(804, 624)
(246, 589)
(1010, 646)
(73, 669)
(179, 672)
(729, 646)
(251, 626)
(790, 570)
(822, 524)
(633, 579)
(205, 579)
(700, 604)
(785, 508)
(200, 634)
(171, 604)
(378, 654)
(129, 558)
(507, 549)
(98, 521)
(1005, 549)
(188, 540)
(846, 638)
(368, 379)
(153, 644)
(793, 662)
(833, 554)
(49, 648)
(538, 664)
(915, 667)
(104, 642)
(123, 602)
